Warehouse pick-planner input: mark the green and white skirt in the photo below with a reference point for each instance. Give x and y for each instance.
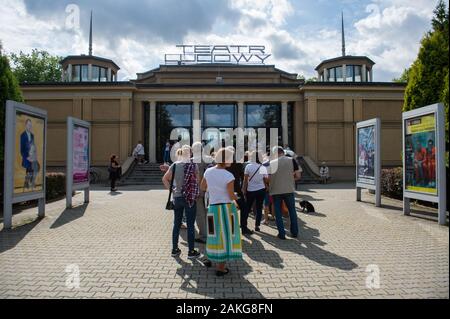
(224, 233)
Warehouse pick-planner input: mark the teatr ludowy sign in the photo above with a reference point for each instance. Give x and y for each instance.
(233, 54)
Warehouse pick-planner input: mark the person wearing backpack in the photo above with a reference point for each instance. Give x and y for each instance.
(256, 181)
(182, 178)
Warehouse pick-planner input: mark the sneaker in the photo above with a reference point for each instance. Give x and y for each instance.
(294, 235)
(257, 228)
(281, 237)
(246, 231)
(222, 273)
(206, 262)
(176, 252)
(193, 254)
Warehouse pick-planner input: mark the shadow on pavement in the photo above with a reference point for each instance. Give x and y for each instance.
(9, 238)
(256, 251)
(309, 245)
(203, 281)
(69, 215)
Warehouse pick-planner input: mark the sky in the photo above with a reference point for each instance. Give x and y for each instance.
(298, 33)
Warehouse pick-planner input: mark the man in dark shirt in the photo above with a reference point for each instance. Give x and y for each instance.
(237, 169)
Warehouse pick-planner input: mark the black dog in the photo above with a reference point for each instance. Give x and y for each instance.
(307, 206)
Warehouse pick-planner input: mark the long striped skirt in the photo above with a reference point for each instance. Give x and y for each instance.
(224, 233)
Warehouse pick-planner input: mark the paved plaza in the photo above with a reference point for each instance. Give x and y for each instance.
(121, 247)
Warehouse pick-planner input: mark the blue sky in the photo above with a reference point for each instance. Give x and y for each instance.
(298, 33)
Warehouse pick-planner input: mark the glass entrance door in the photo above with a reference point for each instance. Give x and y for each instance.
(173, 124)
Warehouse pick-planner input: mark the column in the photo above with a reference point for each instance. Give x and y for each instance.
(363, 73)
(90, 72)
(325, 75)
(109, 74)
(344, 72)
(370, 76)
(152, 132)
(240, 119)
(284, 123)
(196, 125)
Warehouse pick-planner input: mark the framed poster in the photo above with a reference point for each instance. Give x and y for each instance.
(78, 158)
(80, 154)
(25, 157)
(423, 157)
(368, 158)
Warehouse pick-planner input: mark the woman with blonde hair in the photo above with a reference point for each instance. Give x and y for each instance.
(224, 234)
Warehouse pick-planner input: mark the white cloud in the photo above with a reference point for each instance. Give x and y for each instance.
(389, 33)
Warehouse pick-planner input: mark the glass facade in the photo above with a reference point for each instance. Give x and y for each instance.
(218, 115)
(263, 115)
(80, 73)
(76, 73)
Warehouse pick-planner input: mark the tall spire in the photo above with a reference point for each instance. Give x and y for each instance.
(343, 35)
(90, 36)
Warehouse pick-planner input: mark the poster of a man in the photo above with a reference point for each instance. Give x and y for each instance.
(29, 154)
(366, 154)
(420, 152)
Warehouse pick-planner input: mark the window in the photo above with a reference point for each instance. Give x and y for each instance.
(218, 115)
(263, 115)
(103, 75)
(76, 73)
(349, 73)
(358, 73)
(332, 75)
(339, 74)
(84, 73)
(95, 73)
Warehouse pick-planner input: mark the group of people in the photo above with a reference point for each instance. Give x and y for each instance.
(209, 191)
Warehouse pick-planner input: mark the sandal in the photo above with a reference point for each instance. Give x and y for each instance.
(222, 273)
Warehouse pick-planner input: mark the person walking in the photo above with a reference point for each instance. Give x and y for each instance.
(237, 169)
(166, 152)
(139, 153)
(201, 209)
(114, 171)
(256, 182)
(284, 171)
(224, 236)
(184, 174)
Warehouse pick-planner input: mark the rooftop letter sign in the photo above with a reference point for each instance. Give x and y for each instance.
(232, 54)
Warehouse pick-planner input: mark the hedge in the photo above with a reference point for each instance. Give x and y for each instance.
(392, 182)
(55, 185)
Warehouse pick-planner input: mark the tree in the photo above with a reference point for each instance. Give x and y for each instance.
(404, 77)
(9, 90)
(39, 66)
(428, 75)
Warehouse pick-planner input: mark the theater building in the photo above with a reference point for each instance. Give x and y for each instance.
(316, 119)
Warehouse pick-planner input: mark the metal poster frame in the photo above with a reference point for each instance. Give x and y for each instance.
(438, 111)
(376, 185)
(9, 198)
(70, 185)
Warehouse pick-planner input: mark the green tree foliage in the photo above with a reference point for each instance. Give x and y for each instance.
(404, 77)
(428, 75)
(9, 90)
(39, 66)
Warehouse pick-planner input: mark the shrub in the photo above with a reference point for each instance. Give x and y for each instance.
(55, 185)
(392, 182)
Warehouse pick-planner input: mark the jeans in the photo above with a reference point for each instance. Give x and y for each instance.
(180, 207)
(166, 156)
(244, 210)
(258, 197)
(289, 200)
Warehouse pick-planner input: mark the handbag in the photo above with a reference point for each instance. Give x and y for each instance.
(169, 204)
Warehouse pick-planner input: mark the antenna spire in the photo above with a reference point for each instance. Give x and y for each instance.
(90, 36)
(343, 35)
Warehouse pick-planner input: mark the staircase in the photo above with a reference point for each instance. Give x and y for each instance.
(308, 175)
(144, 174)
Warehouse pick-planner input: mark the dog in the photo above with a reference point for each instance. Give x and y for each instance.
(307, 206)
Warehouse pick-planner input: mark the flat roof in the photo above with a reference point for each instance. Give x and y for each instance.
(88, 57)
(346, 57)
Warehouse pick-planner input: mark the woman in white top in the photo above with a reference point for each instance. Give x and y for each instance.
(223, 241)
(256, 181)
